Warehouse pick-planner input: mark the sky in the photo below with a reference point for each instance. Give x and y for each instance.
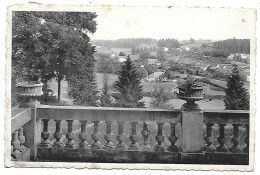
(179, 23)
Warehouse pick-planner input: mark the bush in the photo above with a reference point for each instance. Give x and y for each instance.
(205, 80)
(121, 54)
(161, 98)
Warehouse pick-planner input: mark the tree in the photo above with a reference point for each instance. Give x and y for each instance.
(168, 74)
(169, 43)
(144, 55)
(121, 54)
(160, 98)
(83, 88)
(161, 55)
(237, 97)
(142, 72)
(129, 87)
(55, 44)
(150, 68)
(233, 45)
(133, 51)
(105, 65)
(106, 99)
(192, 41)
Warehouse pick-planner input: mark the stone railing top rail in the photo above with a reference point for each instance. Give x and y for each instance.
(105, 108)
(107, 114)
(227, 117)
(19, 117)
(227, 111)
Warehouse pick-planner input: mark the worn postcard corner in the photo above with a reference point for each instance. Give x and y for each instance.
(120, 87)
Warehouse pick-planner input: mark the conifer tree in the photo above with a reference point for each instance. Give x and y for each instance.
(105, 98)
(237, 97)
(129, 87)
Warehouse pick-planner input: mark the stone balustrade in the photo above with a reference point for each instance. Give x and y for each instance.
(93, 134)
(237, 123)
(116, 149)
(20, 118)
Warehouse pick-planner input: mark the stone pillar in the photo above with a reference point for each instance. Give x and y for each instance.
(28, 91)
(192, 132)
(32, 133)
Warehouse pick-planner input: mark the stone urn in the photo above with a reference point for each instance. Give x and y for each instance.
(28, 93)
(190, 91)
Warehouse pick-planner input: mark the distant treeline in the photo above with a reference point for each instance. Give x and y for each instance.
(170, 43)
(233, 45)
(124, 43)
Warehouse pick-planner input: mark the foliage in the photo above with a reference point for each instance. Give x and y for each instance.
(169, 43)
(105, 65)
(129, 87)
(121, 54)
(237, 97)
(14, 89)
(83, 88)
(152, 57)
(47, 97)
(233, 45)
(150, 68)
(216, 53)
(161, 55)
(108, 65)
(169, 74)
(142, 73)
(106, 99)
(124, 43)
(101, 55)
(189, 83)
(144, 55)
(192, 41)
(52, 44)
(160, 98)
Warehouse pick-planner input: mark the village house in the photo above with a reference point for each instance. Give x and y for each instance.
(153, 77)
(121, 59)
(154, 62)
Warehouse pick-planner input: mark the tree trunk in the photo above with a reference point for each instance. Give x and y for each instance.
(59, 81)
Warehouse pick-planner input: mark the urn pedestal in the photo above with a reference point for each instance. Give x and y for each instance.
(190, 96)
(28, 93)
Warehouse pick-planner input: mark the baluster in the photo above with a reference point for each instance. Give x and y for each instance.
(120, 136)
(246, 139)
(173, 138)
(83, 135)
(95, 136)
(57, 135)
(133, 137)
(22, 139)
(45, 134)
(159, 138)
(146, 132)
(221, 138)
(108, 135)
(209, 139)
(70, 143)
(16, 144)
(236, 139)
